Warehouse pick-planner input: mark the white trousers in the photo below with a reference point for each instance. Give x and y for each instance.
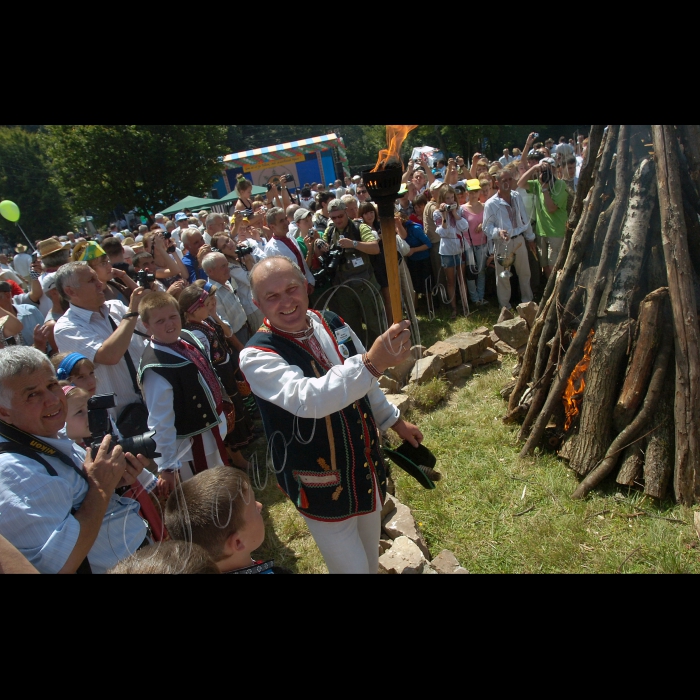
(522, 267)
(350, 546)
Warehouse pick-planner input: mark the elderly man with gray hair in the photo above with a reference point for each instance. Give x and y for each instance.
(58, 502)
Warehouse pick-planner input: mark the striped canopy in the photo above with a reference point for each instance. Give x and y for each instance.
(287, 150)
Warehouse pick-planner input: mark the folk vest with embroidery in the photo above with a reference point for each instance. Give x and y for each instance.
(325, 465)
(195, 411)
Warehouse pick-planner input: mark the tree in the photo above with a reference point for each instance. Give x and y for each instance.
(25, 179)
(146, 167)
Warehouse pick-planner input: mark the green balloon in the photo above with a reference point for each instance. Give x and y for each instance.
(9, 210)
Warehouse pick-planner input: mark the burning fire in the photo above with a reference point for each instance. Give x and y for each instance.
(573, 395)
(395, 136)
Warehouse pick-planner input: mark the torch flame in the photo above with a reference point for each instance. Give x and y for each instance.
(395, 136)
(573, 394)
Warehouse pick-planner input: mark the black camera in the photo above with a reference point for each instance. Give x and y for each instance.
(100, 425)
(244, 249)
(145, 279)
(545, 174)
(268, 186)
(287, 178)
(167, 235)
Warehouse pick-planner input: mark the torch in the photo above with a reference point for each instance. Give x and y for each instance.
(383, 184)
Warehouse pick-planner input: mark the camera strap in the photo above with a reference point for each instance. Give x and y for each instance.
(128, 360)
(29, 445)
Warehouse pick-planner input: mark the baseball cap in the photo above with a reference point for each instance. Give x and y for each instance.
(48, 282)
(180, 216)
(473, 185)
(436, 184)
(301, 213)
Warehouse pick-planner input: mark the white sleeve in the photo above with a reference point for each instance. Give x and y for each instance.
(158, 395)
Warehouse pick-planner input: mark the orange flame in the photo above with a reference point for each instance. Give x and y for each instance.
(395, 136)
(573, 394)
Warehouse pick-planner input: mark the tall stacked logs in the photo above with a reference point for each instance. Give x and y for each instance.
(628, 272)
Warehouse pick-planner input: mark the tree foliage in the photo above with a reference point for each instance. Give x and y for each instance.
(147, 167)
(25, 179)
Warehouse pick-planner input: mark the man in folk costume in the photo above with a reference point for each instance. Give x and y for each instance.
(323, 412)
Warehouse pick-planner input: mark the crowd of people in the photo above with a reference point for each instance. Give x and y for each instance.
(137, 367)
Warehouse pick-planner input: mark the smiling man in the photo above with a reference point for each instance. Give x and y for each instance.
(323, 410)
(58, 504)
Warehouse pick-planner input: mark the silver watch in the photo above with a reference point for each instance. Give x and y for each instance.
(354, 244)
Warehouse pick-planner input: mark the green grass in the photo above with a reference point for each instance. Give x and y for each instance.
(474, 511)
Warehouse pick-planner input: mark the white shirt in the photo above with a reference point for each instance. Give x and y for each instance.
(83, 331)
(245, 293)
(159, 398)
(504, 160)
(496, 217)
(276, 247)
(22, 262)
(276, 381)
(229, 307)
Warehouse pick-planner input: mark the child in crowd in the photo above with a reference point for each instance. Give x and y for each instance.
(74, 368)
(182, 393)
(217, 510)
(77, 427)
(171, 557)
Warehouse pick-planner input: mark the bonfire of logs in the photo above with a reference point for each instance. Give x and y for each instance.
(610, 373)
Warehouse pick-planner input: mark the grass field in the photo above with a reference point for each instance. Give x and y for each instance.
(499, 513)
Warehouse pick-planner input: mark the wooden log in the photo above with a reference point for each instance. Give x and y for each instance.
(658, 460)
(585, 183)
(528, 363)
(540, 393)
(575, 351)
(651, 321)
(632, 431)
(686, 478)
(595, 430)
(632, 465)
(633, 239)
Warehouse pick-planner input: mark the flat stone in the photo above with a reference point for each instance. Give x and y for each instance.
(487, 357)
(404, 557)
(388, 383)
(481, 330)
(401, 371)
(402, 401)
(446, 563)
(505, 315)
(418, 351)
(384, 545)
(461, 372)
(403, 524)
(528, 311)
(450, 354)
(515, 332)
(426, 369)
(504, 348)
(470, 345)
(494, 339)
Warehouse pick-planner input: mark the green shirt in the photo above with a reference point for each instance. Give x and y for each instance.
(551, 225)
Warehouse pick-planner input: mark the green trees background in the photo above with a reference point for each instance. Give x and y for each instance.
(56, 173)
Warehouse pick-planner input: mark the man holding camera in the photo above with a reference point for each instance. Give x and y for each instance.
(108, 333)
(551, 196)
(357, 298)
(58, 502)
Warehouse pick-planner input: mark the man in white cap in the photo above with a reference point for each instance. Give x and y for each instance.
(181, 221)
(160, 220)
(22, 262)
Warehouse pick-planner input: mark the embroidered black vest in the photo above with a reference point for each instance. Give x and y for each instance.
(324, 465)
(195, 410)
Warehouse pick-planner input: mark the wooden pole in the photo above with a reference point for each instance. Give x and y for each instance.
(391, 256)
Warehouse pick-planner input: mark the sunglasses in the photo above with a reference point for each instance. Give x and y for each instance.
(337, 217)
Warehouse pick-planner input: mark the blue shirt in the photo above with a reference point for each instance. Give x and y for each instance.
(35, 512)
(30, 316)
(415, 237)
(192, 264)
